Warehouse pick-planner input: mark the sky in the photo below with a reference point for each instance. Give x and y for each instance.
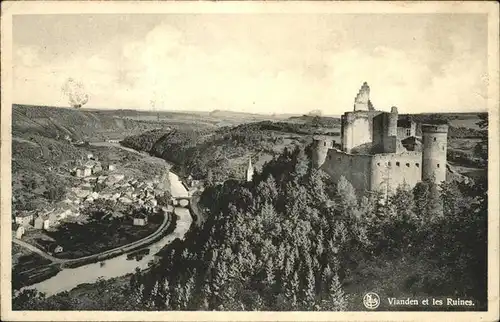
(258, 63)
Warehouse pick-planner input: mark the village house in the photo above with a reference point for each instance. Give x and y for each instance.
(19, 230)
(111, 167)
(54, 249)
(43, 221)
(90, 179)
(97, 168)
(46, 223)
(125, 200)
(24, 218)
(39, 222)
(140, 220)
(86, 172)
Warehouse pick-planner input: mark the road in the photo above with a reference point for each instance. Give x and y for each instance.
(37, 250)
(177, 190)
(121, 249)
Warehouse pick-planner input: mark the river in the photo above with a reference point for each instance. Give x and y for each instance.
(69, 278)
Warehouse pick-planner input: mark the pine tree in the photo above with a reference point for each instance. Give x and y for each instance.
(338, 300)
(346, 195)
(309, 297)
(326, 277)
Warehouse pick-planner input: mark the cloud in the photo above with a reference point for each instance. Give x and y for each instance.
(265, 74)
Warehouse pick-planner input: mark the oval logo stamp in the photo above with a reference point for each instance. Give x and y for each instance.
(371, 300)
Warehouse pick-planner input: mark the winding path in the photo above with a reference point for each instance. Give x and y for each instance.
(177, 190)
(36, 250)
(121, 249)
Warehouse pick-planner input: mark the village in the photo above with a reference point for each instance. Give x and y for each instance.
(132, 200)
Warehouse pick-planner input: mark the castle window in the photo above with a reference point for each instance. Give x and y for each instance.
(408, 132)
(389, 163)
(417, 165)
(378, 163)
(438, 165)
(408, 165)
(434, 139)
(397, 163)
(324, 143)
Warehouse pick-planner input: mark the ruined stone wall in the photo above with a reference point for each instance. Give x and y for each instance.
(404, 132)
(354, 167)
(356, 130)
(384, 132)
(391, 170)
(362, 99)
(380, 123)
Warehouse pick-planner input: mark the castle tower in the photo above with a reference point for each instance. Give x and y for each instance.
(434, 147)
(391, 133)
(249, 170)
(393, 122)
(320, 150)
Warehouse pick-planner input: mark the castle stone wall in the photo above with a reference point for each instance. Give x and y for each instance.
(434, 148)
(320, 150)
(354, 167)
(404, 132)
(384, 132)
(380, 122)
(393, 169)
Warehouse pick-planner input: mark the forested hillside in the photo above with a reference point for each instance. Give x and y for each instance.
(44, 148)
(222, 153)
(292, 240)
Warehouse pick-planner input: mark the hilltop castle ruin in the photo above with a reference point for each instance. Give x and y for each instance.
(380, 151)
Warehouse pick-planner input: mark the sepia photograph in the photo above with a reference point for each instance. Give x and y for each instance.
(249, 158)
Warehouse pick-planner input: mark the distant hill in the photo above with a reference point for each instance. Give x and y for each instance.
(323, 121)
(226, 113)
(78, 124)
(45, 147)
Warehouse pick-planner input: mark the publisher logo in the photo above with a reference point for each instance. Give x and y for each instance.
(371, 300)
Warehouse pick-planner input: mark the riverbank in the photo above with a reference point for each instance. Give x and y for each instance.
(39, 274)
(101, 268)
(168, 228)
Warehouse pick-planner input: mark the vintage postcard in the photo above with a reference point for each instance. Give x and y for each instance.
(307, 161)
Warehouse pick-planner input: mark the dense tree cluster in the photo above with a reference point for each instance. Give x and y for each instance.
(290, 239)
(287, 240)
(207, 152)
